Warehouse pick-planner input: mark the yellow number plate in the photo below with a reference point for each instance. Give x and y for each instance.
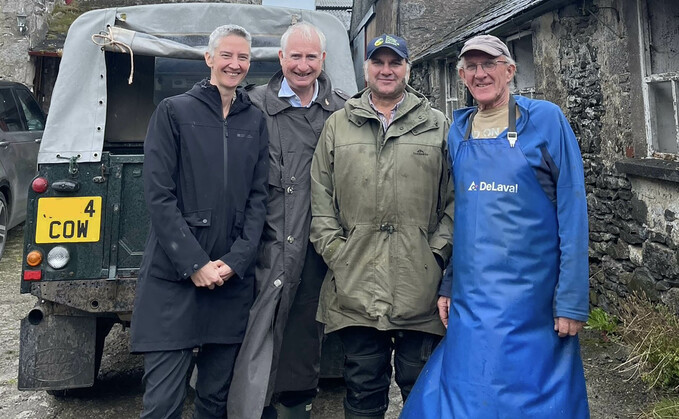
(64, 220)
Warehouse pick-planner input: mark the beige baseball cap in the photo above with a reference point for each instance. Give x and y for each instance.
(487, 43)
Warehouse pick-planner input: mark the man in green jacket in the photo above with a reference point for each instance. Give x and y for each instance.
(382, 221)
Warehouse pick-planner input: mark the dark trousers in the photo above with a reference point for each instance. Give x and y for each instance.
(165, 380)
(367, 365)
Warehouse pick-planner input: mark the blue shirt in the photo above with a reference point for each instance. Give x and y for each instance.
(295, 101)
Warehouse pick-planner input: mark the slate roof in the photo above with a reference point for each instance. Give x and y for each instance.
(341, 9)
(340, 4)
(492, 19)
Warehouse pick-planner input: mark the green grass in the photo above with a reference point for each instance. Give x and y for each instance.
(663, 409)
(652, 331)
(601, 321)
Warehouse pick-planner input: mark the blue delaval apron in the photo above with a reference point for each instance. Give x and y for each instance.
(501, 357)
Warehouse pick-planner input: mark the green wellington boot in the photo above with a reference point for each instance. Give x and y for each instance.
(300, 411)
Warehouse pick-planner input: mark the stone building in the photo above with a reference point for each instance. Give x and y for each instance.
(613, 68)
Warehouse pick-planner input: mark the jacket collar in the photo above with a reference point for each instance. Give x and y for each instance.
(275, 104)
(414, 114)
(209, 94)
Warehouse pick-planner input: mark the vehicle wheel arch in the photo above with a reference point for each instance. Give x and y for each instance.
(4, 201)
(7, 192)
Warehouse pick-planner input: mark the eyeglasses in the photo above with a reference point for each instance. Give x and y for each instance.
(487, 66)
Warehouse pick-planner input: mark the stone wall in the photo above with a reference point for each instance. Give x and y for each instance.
(15, 63)
(583, 64)
(633, 238)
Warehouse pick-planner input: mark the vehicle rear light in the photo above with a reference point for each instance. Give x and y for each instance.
(58, 257)
(39, 185)
(32, 275)
(34, 258)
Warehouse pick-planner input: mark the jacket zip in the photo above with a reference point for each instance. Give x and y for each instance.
(226, 159)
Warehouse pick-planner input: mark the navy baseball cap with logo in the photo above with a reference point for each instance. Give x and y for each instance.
(393, 42)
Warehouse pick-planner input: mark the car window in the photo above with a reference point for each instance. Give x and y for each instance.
(35, 119)
(10, 118)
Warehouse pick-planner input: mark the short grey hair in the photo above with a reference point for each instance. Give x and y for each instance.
(510, 61)
(307, 30)
(222, 32)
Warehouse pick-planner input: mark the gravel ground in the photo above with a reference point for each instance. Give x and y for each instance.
(117, 393)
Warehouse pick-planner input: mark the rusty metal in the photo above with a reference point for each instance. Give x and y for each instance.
(92, 296)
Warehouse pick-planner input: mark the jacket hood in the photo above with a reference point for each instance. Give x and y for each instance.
(209, 94)
(414, 113)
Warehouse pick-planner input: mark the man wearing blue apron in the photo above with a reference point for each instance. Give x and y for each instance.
(516, 293)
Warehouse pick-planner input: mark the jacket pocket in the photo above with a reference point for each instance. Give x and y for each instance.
(352, 270)
(341, 246)
(201, 218)
(197, 221)
(416, 292)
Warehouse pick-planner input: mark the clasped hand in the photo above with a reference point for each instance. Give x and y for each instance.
(213, 273)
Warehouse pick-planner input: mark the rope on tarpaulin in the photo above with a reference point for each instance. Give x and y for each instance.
(104, 39)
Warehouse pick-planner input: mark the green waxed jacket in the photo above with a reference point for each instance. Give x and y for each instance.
(382, 206)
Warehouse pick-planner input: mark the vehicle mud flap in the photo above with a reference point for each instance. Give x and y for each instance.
(56, 352)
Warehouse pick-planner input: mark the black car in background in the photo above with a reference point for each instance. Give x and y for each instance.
(21, 125)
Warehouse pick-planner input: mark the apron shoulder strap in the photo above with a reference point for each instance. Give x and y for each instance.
(511, 127)
(469, 125)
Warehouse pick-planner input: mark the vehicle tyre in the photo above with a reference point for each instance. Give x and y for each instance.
(4, 222)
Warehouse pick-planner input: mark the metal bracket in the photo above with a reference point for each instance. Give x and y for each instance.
(104, 173)
(72, 163)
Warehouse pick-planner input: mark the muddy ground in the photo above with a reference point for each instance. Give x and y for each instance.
(117, 393)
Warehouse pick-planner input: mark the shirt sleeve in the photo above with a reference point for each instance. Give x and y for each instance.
(571, 298)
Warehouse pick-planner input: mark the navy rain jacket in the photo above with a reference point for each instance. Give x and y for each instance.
(205, 184)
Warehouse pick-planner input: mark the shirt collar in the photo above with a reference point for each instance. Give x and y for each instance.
(381, 116)
(287, 93)
(393, 110)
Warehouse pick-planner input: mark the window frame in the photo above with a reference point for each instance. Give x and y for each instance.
(454, 87)
(530, 91)
(649, 78)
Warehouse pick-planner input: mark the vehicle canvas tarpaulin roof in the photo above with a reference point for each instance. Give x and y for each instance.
(77, 119)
